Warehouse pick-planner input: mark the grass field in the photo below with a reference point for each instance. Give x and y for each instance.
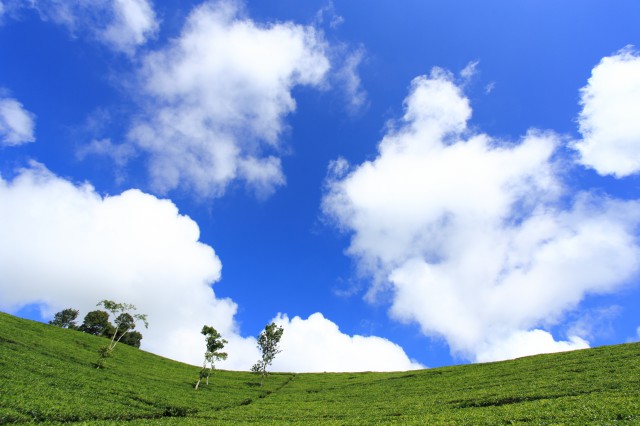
(47, 375)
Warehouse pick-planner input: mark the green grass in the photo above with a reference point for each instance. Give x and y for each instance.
(47, 375)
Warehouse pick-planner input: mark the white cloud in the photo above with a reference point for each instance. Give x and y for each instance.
(218, 96)
(67, 246)
(595, 323)
(16, 123)
(524, 343)
(609, 118)
(120, 154)
(327, 14)
(122, 25)
(476, 239)
(133, 23)
(8, 9)
(64, 246)
(316, 345)
(348, 79)
(469, 71)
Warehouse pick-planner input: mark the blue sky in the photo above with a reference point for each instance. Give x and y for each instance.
(399, 184)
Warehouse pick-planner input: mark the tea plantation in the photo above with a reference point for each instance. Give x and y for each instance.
(47, 375)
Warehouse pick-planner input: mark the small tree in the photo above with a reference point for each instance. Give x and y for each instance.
(268, 345)
(124, 323)
(65, 319)
(97, 323)
(215, 343)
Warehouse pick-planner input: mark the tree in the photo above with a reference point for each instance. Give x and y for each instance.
(215, 343)
(268, 345)
(124, 322)
(66, 319)
(132, 338)
(97, 323)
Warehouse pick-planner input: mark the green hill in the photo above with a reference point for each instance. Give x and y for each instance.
(47, 375)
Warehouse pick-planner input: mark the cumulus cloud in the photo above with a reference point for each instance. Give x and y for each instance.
(218, 96)
(317, 344)
(16, 123)
(523, 343)
(122, 25)
(476, 239)
(609, 118)
(64, 245)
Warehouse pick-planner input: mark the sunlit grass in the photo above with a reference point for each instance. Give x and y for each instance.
(47, 374)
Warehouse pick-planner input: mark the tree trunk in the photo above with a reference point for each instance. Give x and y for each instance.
(125, 331)
(204, 365)
(115, 333)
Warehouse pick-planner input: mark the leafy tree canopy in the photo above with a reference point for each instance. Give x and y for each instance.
(97, 323)
(65, 319)
(132, 338)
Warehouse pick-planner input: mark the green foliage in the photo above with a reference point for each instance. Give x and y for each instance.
(65, 319)
(268, 344)
(97, 323)
(125, 322)
(132, 338)
(215, 344)
(46, 376)
(104, 352)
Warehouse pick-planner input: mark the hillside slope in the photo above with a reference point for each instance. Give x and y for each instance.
(47, 375)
